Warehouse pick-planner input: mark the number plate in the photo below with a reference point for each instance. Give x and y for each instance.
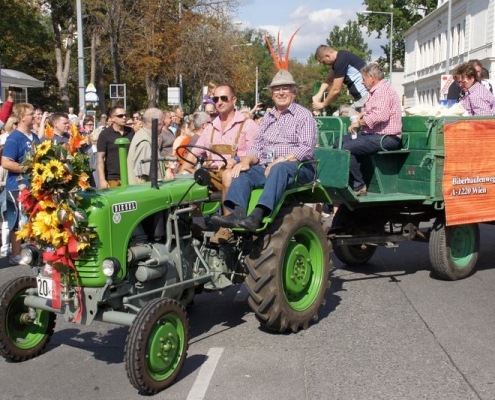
(45, 287)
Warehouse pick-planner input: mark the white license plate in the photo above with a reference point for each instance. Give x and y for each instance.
(45, 287)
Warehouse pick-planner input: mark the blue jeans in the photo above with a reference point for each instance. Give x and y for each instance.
(365, 145)
(281, 176)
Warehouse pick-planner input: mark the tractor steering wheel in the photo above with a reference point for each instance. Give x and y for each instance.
(199, 159)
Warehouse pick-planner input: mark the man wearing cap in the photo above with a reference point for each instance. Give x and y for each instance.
(287, 136)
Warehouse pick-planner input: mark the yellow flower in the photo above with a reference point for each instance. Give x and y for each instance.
(60, 239)
(43, 148)
(38, 170)
(23, 233)
(49, 217)
(82, 246)
(54, 169)
(47, 204)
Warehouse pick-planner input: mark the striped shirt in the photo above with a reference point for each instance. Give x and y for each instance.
(382, 111)
(478, 100)
(293, 132)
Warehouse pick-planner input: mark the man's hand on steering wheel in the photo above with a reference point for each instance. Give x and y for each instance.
(202, 161)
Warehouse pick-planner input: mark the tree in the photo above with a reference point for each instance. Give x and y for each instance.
(64, 28)
(349, 38)
(406, 14)
(26, 45)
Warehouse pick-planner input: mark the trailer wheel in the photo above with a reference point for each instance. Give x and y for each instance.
(288, 271)
(156, 346)
(355, 254)
(20, 338)
(454, 250)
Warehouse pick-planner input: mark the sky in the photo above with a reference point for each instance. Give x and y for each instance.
(318, 18)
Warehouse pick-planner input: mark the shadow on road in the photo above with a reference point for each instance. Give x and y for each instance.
(107, 347)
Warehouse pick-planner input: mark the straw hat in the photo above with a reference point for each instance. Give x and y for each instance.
(282, 77)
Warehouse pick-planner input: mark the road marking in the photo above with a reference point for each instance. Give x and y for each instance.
(205, 374)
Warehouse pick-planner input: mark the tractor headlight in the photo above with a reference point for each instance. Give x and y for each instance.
(110, 266)
(30, 255)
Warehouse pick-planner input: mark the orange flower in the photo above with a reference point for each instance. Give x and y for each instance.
(83, 181)
(76, 140)
(48, 131)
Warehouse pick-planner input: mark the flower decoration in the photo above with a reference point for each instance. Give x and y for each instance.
(48, 132)
(54, 217)
(278, 58)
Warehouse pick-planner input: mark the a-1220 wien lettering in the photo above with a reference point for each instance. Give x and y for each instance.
(467, 191)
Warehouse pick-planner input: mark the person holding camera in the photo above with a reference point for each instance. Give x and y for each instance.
(7, 107)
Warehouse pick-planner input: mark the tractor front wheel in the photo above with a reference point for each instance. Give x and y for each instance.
(21, 337)
(156, 346)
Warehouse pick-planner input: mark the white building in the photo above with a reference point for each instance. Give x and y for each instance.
(472, 35)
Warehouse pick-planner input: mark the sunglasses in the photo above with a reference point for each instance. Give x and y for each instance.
(217, 98)
(120, 115)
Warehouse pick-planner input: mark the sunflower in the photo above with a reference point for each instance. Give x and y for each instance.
(43, 148)
(38, 170)
(60, 239)
(54, 169)
(47, 204)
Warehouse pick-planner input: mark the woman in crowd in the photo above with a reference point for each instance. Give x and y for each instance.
(476, 98)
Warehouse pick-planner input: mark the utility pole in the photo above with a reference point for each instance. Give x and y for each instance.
(80, 57)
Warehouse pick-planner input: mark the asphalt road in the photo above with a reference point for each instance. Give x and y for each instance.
(388, 331)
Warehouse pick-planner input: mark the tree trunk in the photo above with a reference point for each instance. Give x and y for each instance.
(63, 51)
(153, 90)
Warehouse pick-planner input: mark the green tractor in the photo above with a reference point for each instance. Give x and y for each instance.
(145, 266)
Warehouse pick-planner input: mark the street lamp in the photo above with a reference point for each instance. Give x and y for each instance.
(391, 34)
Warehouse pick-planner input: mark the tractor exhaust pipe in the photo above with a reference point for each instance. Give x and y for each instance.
(154, 154)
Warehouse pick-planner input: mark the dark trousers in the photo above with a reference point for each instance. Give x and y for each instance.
(366, 145)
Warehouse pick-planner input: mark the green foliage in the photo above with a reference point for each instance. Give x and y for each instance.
(406, 14)
(349, 38)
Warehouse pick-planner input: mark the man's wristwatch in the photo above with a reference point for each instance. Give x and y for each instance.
(237, 159)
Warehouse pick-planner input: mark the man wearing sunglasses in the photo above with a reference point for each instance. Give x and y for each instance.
(230, 134)
(108, 151)
(286, 137)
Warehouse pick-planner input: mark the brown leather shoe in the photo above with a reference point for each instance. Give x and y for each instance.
(361, 192)
(223, 235)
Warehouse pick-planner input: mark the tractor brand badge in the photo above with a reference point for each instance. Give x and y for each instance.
(124, 207)
(117, 217)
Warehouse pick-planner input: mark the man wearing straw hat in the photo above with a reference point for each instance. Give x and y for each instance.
(287, 136)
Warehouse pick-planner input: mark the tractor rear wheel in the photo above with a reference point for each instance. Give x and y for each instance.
(156, 346)
(21, 338)
(288, 271)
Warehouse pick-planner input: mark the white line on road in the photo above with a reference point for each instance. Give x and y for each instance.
(205, 374)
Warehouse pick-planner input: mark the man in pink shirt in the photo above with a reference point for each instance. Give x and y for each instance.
(231, 131)
(381, 124)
